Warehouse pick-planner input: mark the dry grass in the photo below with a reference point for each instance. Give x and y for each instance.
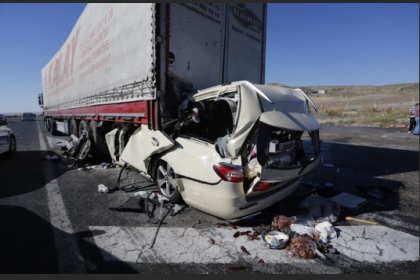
(381, 106)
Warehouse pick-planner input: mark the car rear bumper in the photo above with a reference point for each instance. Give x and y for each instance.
(226, 201)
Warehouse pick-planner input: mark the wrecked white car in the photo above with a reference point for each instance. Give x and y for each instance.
(240, 148)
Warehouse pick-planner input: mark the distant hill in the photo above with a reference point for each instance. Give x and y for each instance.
(366, 89)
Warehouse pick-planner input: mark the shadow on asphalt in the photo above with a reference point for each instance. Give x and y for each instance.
(27, 246)
(373, 160)
(23, 172)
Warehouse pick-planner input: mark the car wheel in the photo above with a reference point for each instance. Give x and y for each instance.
(12, 145)
(165, 176)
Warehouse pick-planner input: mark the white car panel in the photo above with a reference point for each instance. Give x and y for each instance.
(142, 145)
(194, 159)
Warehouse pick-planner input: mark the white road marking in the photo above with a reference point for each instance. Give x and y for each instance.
(189, 245)
(69, 258)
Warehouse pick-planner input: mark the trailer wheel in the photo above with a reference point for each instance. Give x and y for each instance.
(165, 175)
(48, 125)
(83, 127)
(73, 128)
(94, 131)
(54, 130)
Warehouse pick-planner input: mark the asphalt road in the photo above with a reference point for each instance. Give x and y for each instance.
(54, 220)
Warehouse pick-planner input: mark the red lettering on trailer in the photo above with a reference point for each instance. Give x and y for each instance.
(57, 72)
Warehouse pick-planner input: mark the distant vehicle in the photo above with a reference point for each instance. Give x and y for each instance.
(28, 117)
(7, 139)
(3, 118)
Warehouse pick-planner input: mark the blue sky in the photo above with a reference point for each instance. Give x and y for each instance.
(307, 44)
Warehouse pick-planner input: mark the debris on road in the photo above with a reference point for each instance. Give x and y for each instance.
(102, 188)
(326, 231)
(261, 262)
(305, 230)
(348, 200)
(348, 218)
(276, 239)
(302, 247)
(245, 250)
(132, 204)
(282, 223)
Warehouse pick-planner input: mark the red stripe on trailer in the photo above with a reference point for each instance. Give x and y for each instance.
(105, 111)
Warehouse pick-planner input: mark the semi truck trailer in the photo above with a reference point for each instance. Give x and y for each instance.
(177, 91)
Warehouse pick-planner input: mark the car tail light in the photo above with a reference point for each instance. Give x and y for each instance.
(263, 186)
(229, 172)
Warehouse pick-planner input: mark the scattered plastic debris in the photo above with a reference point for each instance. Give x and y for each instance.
(305, 230)
(326, 231)
(349, 200)
(102, 188)
(276, 239)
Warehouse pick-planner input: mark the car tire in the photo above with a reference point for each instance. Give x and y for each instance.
(164, 174)
(12, 145)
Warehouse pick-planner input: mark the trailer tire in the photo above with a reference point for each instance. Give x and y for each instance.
(48, 124)
(54, 130)
(74, 128)
(83, 127)
(97, 136)
(94, 131)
